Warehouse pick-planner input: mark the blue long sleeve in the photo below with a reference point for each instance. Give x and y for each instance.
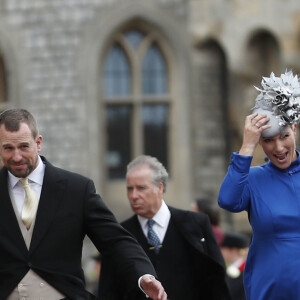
(271, 197)
(234, 193)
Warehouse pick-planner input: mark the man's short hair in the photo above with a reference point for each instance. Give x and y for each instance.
(12, 119)
(159, 172)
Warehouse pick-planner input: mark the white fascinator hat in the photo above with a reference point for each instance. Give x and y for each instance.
(279, 99)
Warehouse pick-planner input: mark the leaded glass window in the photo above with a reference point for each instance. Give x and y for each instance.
(137, 99)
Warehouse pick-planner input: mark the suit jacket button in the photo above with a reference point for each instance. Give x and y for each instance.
(29, 264)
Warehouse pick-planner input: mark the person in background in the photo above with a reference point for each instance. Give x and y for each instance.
(180, 244)
(270, 193)
(234, 249)
(206, 206)
(45, 213)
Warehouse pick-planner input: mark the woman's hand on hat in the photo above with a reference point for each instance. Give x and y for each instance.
(255, 124)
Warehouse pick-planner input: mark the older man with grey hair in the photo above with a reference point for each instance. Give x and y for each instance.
(180, 244)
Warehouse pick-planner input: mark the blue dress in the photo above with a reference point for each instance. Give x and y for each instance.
(271, 196)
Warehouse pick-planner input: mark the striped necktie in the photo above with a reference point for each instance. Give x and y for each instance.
(30, 204)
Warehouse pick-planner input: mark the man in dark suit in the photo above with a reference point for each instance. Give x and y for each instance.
(43, 224)
(180, 244)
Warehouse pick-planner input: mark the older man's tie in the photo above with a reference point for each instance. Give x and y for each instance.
(152, 237)
(30, 204)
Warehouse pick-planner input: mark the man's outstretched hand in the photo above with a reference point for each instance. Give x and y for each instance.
(153, 288)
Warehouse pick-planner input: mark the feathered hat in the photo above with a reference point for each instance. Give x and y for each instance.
(279, 99)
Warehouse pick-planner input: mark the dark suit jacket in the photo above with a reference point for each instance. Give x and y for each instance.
(69, 208)
(206, 256)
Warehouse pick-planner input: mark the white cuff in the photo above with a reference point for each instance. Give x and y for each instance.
(139, 283)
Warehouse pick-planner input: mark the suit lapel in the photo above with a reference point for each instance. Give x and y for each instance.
(134, 227)
(51, 196)
(183, 224)
(140, 234)
(8, 219)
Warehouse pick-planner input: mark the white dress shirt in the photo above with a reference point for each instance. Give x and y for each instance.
(32, 286)
(160, 226)
(161, 218)
(35, 180)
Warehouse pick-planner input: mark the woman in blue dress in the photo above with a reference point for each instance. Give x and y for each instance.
(270, 193)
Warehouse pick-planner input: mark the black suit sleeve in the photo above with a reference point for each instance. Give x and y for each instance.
(125, 256)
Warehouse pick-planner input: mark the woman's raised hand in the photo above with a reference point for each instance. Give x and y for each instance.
(255, 124)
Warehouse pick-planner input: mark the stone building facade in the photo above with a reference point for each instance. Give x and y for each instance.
(55, 61)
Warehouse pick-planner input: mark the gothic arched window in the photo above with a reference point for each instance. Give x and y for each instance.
(137, 100)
